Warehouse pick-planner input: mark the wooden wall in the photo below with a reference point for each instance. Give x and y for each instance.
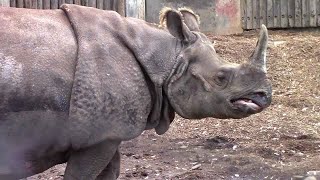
(117, 5)
(280, 13)
(217, 16)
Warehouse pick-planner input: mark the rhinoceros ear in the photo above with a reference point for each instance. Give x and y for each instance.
(191, 19)
(173, 20)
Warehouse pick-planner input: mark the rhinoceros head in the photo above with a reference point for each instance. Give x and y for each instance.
(204, 85)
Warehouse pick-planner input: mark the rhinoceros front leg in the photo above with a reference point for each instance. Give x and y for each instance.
(89, 162)
(112, 171)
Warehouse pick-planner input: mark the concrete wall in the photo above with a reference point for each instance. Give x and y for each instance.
(217, 16)
(135, 8)
(5, 3)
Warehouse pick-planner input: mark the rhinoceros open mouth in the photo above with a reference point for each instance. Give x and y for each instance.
(251, 103)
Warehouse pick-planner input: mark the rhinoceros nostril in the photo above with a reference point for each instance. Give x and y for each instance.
(260, 98)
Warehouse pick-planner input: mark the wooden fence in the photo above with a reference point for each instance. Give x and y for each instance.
(272, 13)
(280, 13)
(117, 5)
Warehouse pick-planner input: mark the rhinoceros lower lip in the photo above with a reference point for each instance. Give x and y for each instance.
(246, 103)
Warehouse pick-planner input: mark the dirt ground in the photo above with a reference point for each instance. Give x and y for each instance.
(279, 143)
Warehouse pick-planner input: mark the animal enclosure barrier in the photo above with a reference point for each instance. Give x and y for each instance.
(280, 13)
(132, 8)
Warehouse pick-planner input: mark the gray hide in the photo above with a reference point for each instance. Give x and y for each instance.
(75, 82)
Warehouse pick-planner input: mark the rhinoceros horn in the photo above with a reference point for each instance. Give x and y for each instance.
(258, 58)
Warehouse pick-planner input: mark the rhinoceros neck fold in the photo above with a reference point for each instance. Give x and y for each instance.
(121, 62)
(156, 51)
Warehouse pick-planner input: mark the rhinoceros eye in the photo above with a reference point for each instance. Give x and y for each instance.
(222, 77)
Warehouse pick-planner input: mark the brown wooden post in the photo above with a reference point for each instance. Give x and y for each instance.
(121, 7)
(142, 9)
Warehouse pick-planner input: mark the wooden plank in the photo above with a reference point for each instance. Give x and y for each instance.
(20, 3)
(318, 12)
(84, 2)
(313, 13)
(305, 13)
(100, 4)
(27, 4)
(92, 3)
(107, 4)
(78, 2)
(270, 19)
(284, 14)
(120, 6)
(249, 14)
(69, 2)
(243, 12)
(13, 3)
(291, 16)
(297, 13)
(54, 4)
(61, 2)
(141, 9)
(255, 14)
(263, 12)
(276, 13)
(34, 4)
(40, 4)
(46, 4)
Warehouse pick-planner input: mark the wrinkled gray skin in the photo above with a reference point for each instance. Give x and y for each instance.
(76, 82)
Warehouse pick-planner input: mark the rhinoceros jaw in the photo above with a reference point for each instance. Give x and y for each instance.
(248, 103)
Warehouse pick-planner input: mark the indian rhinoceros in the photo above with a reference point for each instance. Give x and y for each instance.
(77, 81)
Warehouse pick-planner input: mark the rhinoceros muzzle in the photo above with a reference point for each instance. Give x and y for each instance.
(251, 103)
